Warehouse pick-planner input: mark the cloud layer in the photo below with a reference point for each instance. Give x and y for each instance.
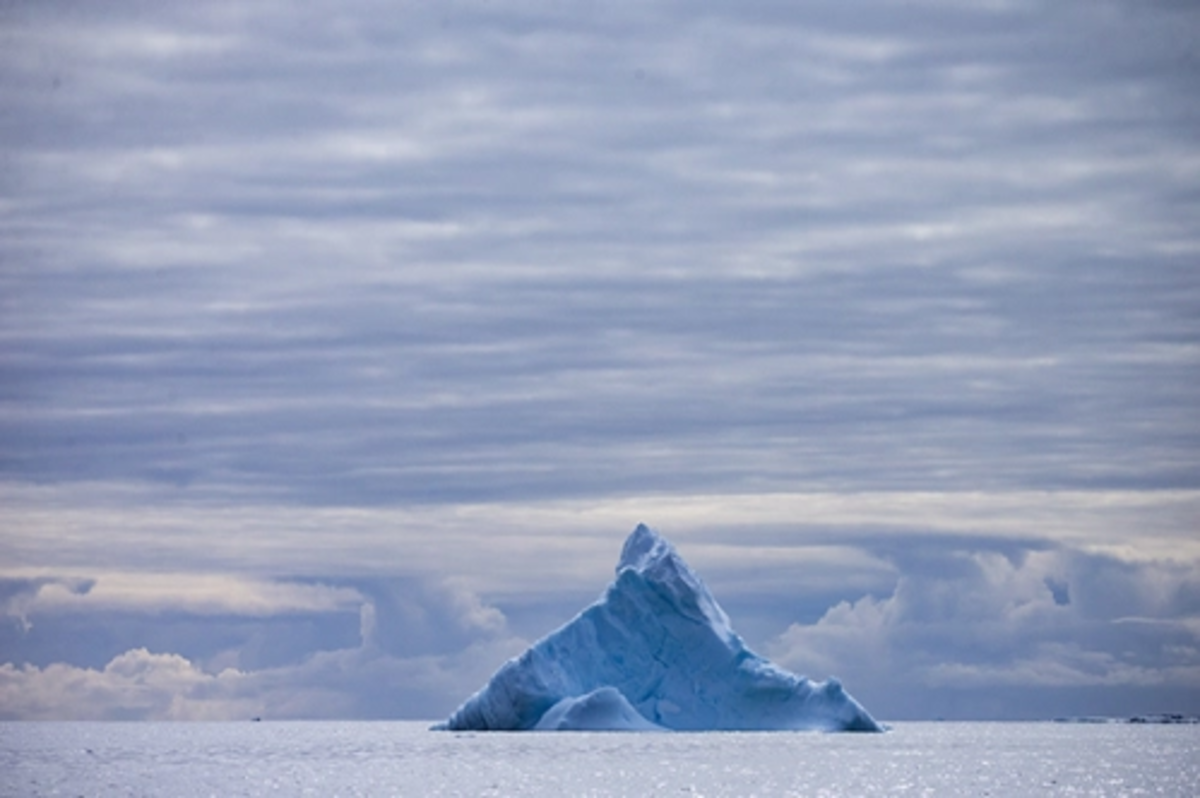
(352, 317)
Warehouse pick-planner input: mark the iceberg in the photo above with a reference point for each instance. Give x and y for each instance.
(655, 651)
(604, 709)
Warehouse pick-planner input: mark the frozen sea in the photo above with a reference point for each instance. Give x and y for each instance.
(405, 758)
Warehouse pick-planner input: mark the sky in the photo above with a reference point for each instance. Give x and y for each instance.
(342, 345)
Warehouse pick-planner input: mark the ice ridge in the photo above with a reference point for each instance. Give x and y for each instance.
(655, 650)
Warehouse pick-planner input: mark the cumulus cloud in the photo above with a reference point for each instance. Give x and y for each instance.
(348, 683)
(134, 685)
(977, 619)
(398, 668)
(406, 617)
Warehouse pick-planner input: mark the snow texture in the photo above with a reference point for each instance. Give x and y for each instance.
(657, 645)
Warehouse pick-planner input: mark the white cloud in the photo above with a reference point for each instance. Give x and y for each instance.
(385, 676)
(135, 685)
(349, 683)
(200, 594)
(493, 546)
(977, 620)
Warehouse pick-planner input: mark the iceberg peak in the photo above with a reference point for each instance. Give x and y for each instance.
(656, 561)
(643, 547)
(654, 651)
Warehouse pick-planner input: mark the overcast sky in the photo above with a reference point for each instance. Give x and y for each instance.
(342, 344)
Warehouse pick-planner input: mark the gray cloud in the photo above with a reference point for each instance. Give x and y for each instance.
(978, 620)
(407, 649)
(388, 296)
(143, 685)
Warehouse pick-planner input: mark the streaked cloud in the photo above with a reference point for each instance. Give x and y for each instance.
(318, 320)
(204, 594)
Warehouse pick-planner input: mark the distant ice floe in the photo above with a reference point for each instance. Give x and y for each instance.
(655, 652)
(1167, 719)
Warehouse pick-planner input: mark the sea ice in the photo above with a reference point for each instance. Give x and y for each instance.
(656, 650)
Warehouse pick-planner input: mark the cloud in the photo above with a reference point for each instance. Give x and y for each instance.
(203, 594)
(407, 617)
(1059, 665)
(310, 311)
(141, 685)
(495, 546)
(135, 685)
(420, 650)
(972, 619)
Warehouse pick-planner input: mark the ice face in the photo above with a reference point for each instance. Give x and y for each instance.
(600, 710)
(659, 640)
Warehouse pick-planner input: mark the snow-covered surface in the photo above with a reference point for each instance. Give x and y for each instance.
(186, 760)
(659, 638)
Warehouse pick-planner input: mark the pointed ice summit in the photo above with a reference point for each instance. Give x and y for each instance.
(656, 651)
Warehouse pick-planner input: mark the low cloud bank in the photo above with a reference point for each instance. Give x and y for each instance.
(965, 621)
(971, 621)
(417, 644)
